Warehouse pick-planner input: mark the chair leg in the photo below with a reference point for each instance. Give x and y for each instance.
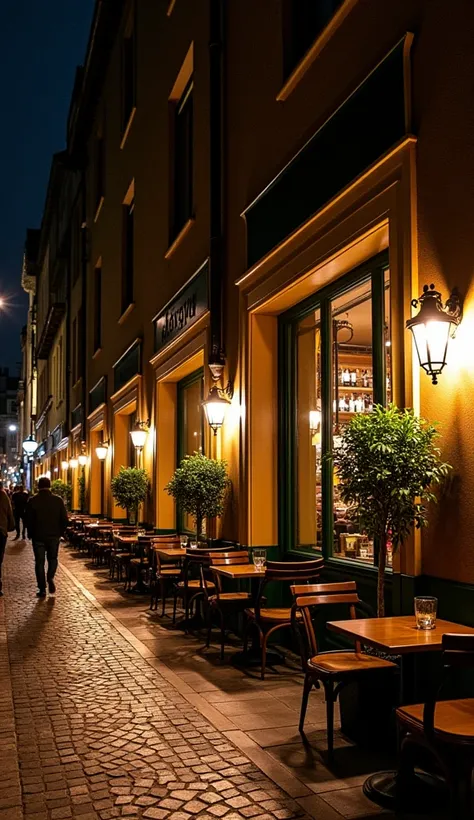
(175, 600)
(163, 597)
(329, 695)
(307, 686)
(209, 627)
(460, 786)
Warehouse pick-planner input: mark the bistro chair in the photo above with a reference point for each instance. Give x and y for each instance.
(268, 620)
(189, 584)
(162, 574)
(336, 668)
(442, 728)
(215, 600)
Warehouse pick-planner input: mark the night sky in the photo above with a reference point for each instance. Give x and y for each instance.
(41, 43)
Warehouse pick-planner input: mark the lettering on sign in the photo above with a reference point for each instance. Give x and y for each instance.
(178, 318)
(183, 310)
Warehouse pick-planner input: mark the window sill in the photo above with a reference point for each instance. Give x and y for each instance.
(96, 353)
(99, 208)
(315, 50)
(179, 237)
(128, 127)
(126, 313)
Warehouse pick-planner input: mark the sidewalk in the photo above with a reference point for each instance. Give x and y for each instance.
(118, 715)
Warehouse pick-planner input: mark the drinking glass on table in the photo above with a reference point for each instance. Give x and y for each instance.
(425, 612)
(259, 558)
(183, 541)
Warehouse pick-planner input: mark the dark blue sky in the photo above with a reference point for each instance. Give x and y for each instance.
(41, 43)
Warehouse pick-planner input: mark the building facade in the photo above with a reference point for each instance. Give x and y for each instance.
(266, 187)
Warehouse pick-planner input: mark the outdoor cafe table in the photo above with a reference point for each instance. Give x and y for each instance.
(399, 636)
(169, 552)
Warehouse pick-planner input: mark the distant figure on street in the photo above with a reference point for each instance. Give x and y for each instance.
(46, 522)
(7, 524)
(19, 501)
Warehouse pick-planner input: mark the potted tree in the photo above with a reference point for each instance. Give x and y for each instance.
(388, 464)
(63, 489)
(198, 487)
(129, 489)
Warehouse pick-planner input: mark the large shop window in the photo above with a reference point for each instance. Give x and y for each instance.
(190, 429)
(334, 363)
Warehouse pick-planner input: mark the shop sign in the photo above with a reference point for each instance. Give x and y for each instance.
(183, 310)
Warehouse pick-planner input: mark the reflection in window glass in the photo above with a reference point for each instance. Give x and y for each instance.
(353, 391)
(309, 497)
(387, 339)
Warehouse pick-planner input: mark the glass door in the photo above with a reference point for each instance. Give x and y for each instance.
(334, 363)
(190, 430)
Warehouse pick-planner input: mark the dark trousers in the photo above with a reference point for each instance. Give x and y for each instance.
(19, 517)
(48, 548)
(3, 541)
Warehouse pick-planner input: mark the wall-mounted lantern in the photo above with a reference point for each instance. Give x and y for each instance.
(139, 434)
(73, 463)
(432, 328)
(64, 465)
(30, 445)
(101, 450)
(219, 398)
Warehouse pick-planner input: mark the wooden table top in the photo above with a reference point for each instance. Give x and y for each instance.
(398, 635)
(240, 571)
(127, 539)
(169, 552)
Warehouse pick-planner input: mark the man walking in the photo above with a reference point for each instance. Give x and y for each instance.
(7, 524)
(19, 502)
(46, 522)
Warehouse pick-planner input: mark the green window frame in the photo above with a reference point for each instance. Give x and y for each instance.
(372, 272)
(189, 381)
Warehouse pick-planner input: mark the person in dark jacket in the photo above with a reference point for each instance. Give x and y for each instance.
(46, 522)
(7, 524)
(19, 501)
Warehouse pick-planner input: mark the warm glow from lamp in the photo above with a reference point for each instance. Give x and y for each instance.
(101, 452)
(12, 428)
(74, 463)
(82, 459)
(139, 436)
(215, 408)
(64, 465)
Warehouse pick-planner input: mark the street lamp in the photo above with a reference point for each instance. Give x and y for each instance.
(432, 328)
(29, 445)
(12, 428)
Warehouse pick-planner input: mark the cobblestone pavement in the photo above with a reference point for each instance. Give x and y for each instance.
(100, 733)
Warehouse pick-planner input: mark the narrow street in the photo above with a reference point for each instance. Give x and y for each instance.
(104, 728)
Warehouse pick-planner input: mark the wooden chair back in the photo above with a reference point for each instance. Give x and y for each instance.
(458, 653)
(220, 559)
(170, 538)
(318, 595)
(298, 571)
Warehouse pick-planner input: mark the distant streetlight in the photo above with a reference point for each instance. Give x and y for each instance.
(12, 427)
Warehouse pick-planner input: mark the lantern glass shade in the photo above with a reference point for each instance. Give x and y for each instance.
(65, 465)
(101, 452)
(431, 341)
(215, 408)
(82, 460)
(73, 463)
(30, 446)
(139, 437)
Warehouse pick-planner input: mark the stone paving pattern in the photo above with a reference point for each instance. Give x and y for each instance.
(100, 733)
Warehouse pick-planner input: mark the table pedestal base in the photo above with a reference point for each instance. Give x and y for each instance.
(424, 793)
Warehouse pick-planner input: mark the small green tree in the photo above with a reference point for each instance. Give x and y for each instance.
(59, 487)
(82, 490)
(198, 487)
(129, 489)
(388, 464)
